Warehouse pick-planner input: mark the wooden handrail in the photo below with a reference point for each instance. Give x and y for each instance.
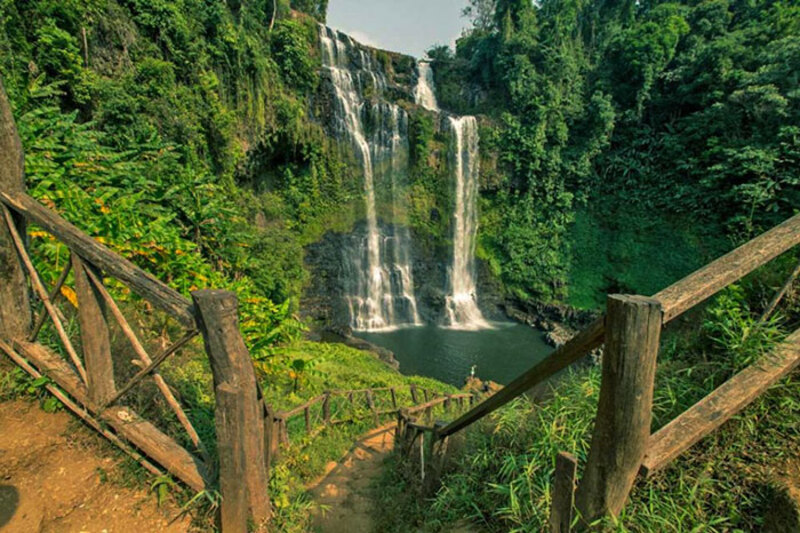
(584, 342)
(730, 268)
(300, 408)
(718, 407)
(436, 401)
(142, 283)
(675, 300)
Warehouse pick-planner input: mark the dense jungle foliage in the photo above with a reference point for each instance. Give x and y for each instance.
(179, 134)
(631, 139)
(624, 143)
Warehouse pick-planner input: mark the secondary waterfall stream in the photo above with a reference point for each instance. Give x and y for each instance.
(378, 281)
(462, 300)
(423, 92)
(462, 310)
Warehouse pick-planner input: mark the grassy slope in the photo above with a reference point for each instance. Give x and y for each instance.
(501, 476)
(338, 368)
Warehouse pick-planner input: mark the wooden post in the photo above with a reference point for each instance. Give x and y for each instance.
(15, 311)
(394, 398)
(95, 338)
(232, 368)
(326, 408)
(563, 493)
(283, 430)
(371, 406)
(233, 461)
(307, 416)
(622, 425)
(414, 397)
(272, 438)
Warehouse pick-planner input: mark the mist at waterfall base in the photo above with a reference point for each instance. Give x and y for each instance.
(500, 354)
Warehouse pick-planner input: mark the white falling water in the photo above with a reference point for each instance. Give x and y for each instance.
(423, 92)
(462, 306)
(379, 284)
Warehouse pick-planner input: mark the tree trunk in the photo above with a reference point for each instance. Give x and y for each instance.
(15, 308)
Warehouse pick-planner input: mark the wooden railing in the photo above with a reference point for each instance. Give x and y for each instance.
(622, 445)
(348, 406)
(86, 379)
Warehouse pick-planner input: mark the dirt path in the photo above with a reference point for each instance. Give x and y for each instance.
(52, 479)
(784, 513)
(345, 487)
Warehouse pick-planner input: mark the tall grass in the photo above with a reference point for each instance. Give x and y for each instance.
(501, 476)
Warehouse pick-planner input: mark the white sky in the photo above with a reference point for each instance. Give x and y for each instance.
(408, 26)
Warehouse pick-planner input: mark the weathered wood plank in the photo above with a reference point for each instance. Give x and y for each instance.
(157, 360)
(38, 287)
(81, 412)
(563, 493)
(717, 275)
(718, 407)
(15, 313)
(141, 282)
(232, 368)
(95, 338)
(585, 341)
(427, 405)
(233, 462)
(126, 423)
(144, 358)
(54, 294)
(302, 407)
(624, 411)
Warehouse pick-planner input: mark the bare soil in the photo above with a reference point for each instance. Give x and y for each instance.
(54, 478)
(783, 515)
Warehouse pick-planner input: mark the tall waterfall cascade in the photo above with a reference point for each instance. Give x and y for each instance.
(462, 301)
(378, 281)
(424, 94)
(461, 308)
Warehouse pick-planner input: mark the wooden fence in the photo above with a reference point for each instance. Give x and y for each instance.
(85, 380)
(81, 369)
(622, 446)
(347, 406)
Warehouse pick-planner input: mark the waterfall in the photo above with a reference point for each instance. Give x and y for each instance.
(462, 306)
(378, 281)
(423, 92)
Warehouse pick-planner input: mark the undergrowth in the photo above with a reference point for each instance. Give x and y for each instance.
(500, 477)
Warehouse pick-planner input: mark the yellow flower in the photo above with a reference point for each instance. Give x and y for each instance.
(70, 295)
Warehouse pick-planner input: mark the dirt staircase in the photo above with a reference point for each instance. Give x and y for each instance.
(345, 488)
(54, 478)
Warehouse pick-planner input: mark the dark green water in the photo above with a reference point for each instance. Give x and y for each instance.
(500, 354)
